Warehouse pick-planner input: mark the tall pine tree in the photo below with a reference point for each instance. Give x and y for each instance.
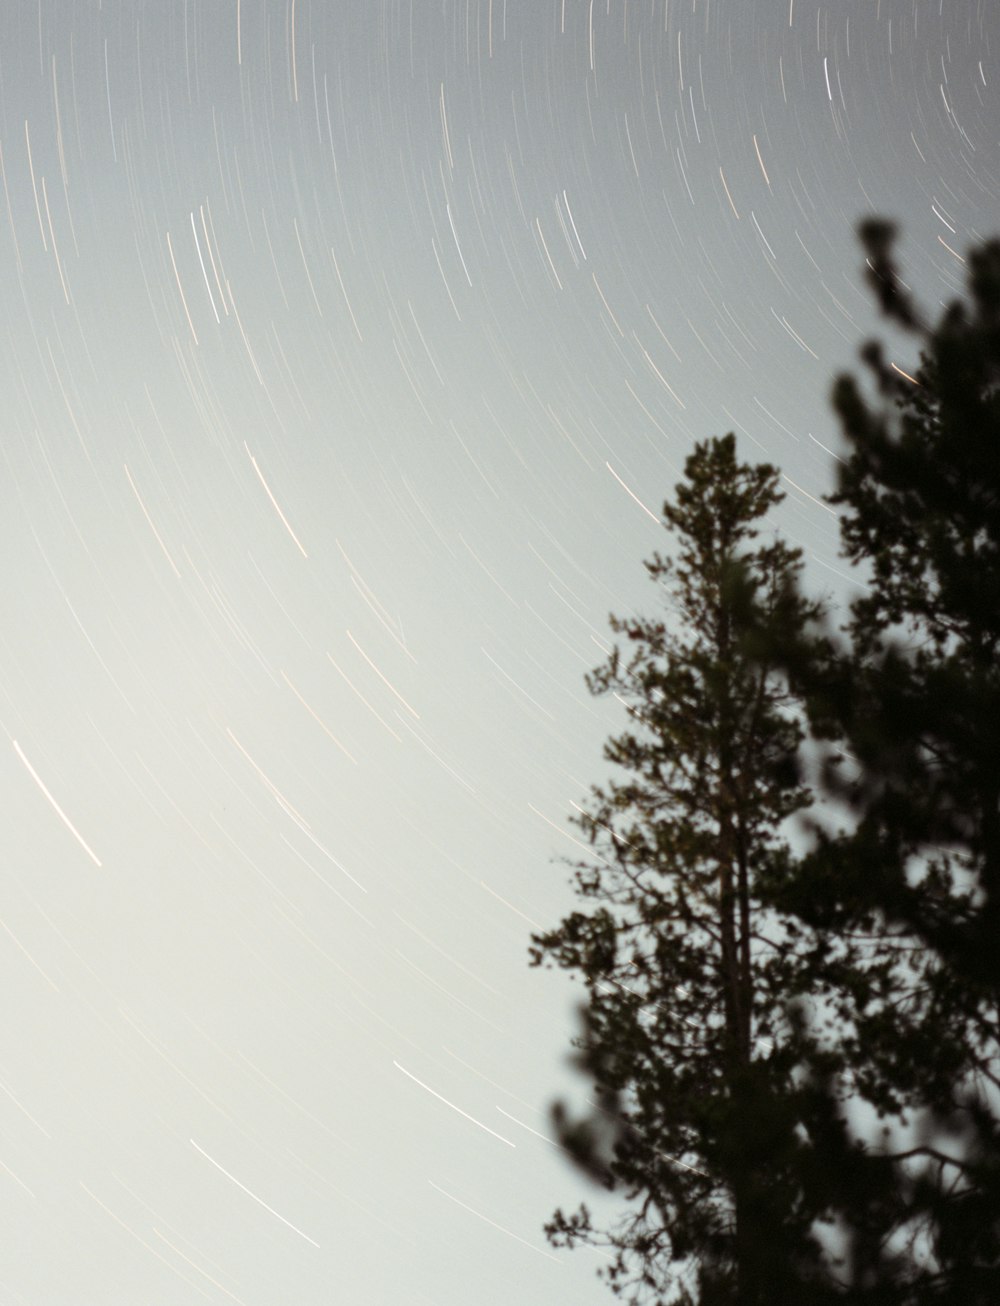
(703, 1120)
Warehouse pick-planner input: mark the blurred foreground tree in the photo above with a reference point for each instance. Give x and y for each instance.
(907, 901)
(705, 1118)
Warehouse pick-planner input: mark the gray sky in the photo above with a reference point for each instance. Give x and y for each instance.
(349, 351)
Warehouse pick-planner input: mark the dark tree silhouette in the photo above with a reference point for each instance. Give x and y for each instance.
(908, 900)
(706, 1117)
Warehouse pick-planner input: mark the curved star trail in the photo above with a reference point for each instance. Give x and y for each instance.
(349, 351)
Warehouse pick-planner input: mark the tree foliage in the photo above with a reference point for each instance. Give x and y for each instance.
(746, 1006)
(908, 898)
(690, 1033)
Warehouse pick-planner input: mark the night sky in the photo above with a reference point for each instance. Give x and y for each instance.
(349, 350)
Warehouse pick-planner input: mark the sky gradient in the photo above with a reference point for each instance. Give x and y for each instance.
(348, 353)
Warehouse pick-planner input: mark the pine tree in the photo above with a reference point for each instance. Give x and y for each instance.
(705, 1118)
(908, 898)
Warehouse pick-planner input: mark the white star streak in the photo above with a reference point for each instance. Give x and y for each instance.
(149, 1248)
(378, 673)
(18, 944)
(159, 541)
(59, 811)
(180, 288)
(215, 1282)
(257, 1199)
(284, 519)
(204, 273)
(452, 1105)
(318, 719)
(540, 1250)
(632, 494)
(17, 1180)
(280, 798)
(21, 1107)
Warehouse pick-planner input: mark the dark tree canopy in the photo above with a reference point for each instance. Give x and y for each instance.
(688, 1033)
(747, 1005)
(909, 897)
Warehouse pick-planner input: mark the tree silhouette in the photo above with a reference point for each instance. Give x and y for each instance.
(707, 1115)
(908, 899)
